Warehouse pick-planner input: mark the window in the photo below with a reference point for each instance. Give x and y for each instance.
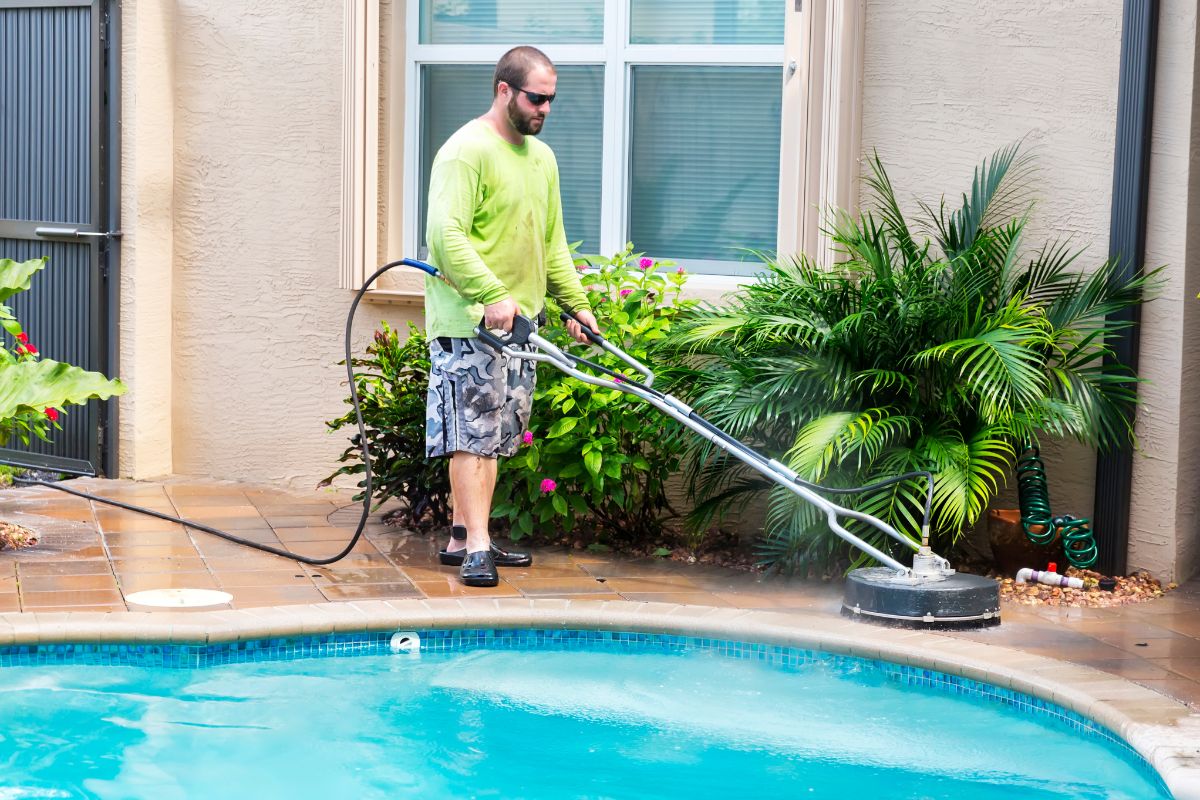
(667, 126)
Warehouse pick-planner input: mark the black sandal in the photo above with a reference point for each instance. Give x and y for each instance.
(479, 569)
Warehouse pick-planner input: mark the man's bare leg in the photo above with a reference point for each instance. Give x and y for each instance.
(472, 482)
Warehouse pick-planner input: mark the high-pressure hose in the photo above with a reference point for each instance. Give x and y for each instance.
(621, 382)
(1039, 522)
(362, 431)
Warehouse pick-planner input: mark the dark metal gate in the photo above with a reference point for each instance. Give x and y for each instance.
(56, 81)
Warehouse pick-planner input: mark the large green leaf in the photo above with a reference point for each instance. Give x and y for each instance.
(37, 385)
(15, 275)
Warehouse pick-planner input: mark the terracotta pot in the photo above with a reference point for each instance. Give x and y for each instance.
(1012, 549)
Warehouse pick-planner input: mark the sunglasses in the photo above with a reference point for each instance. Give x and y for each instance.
(533, 97)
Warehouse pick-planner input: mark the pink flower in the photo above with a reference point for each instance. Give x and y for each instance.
(680, 271)
(626, 292)
(548, 486)
(528, 437)
(593, 288)
(617, 379)
(645, 263)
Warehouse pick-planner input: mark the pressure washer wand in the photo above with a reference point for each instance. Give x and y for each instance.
(524, 332)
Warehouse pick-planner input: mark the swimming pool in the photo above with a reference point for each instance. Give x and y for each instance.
(531, 713)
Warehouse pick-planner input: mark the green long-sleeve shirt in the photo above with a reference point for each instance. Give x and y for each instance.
(495, 229)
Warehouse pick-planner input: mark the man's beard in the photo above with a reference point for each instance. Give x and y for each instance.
(530, 125)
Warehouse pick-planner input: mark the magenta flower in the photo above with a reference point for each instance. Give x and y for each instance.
(617, 379)
(626, 292)
(548, 486)
(645, 263)
(528, 437)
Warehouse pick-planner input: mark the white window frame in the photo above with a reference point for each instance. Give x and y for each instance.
(617, 57)
(820, 160)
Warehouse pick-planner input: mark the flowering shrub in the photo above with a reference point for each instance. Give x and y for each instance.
(392, 382)
(598, 455)
(34, 390)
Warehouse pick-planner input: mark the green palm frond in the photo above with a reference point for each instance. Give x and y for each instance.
(1001, 362)
(997, 187)
(817, 444)
(885, 195)
(965, 472)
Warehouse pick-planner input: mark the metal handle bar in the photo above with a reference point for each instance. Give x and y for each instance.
(609, 347)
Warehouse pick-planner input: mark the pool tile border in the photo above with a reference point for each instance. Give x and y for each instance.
(1161, 731)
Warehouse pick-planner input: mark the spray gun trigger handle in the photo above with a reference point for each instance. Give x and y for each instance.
(522, 327)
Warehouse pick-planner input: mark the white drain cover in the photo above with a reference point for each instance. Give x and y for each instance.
(179, 598)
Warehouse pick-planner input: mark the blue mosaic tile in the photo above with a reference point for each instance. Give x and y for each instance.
(346, 645)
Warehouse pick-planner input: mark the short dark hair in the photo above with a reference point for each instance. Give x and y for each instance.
(515, 65)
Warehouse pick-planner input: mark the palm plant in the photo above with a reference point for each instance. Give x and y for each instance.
(940, 346)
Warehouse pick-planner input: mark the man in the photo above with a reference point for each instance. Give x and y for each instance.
(495, 229)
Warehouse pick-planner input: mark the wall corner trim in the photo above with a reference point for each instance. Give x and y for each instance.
(360, 143)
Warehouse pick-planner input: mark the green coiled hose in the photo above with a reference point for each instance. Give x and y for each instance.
(1040, 524)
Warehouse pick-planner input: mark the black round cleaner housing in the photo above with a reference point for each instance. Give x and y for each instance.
(928, 597)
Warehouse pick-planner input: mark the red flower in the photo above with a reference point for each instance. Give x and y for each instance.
(52, 413)
(33, 351)
(23, 338)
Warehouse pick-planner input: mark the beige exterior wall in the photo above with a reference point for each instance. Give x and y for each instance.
(238, 108)
(256, 315)
(1164, 528)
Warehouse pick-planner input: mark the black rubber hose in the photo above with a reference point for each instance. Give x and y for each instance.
(368, 487)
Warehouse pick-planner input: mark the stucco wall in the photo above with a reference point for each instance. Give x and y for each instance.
(946, 84)
(258, 316)
(1164, 530)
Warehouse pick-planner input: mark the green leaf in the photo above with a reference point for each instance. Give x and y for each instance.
(15, 276)
(562, 426)
(593, 461)
(37, 385)
(560, 504)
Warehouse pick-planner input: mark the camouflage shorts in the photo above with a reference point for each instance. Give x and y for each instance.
(479, 400)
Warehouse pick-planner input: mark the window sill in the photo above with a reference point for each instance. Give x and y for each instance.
(395, 297)
(715, 288)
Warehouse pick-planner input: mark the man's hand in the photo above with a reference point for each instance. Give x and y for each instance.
(576, 330)
(499, 315)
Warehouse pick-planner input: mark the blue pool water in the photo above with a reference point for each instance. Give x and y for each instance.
(536, 724)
